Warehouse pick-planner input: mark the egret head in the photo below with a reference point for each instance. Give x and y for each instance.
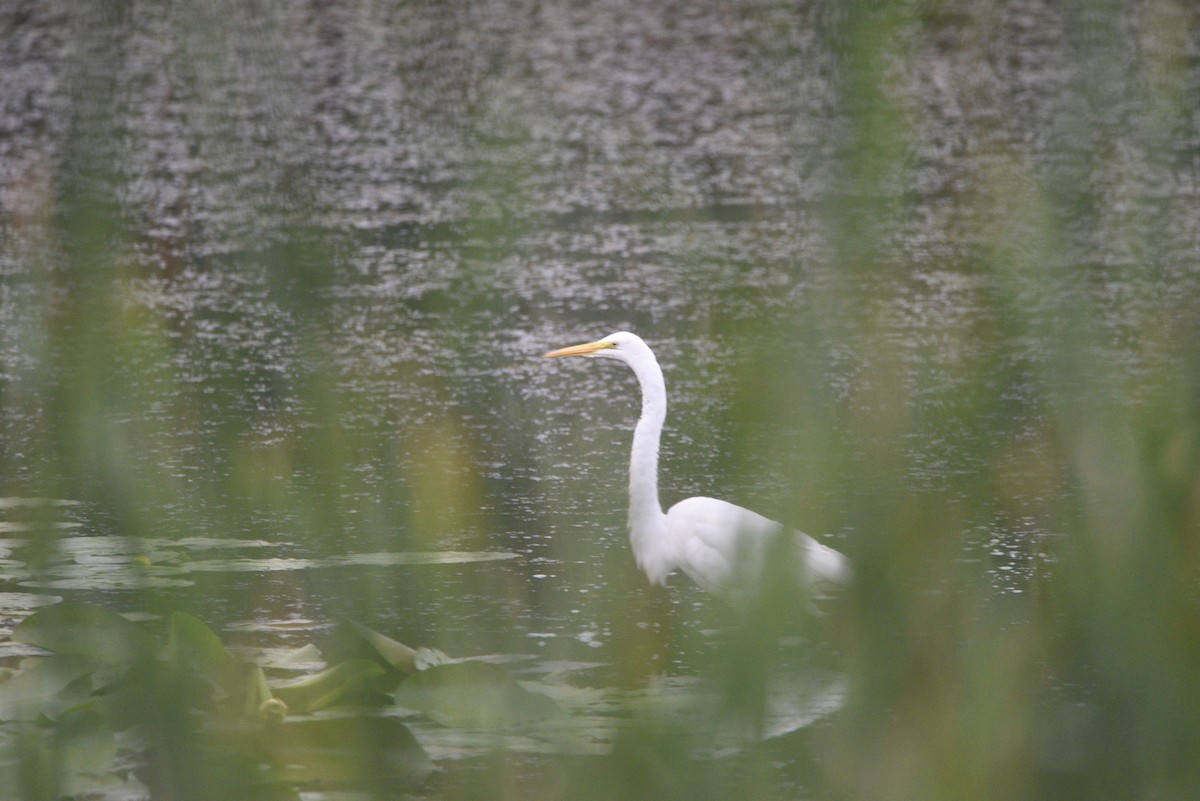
(622, 345)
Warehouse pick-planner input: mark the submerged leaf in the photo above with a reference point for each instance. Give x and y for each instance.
(473, 694)
(86, 630)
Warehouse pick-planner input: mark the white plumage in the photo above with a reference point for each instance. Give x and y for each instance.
(720, 545)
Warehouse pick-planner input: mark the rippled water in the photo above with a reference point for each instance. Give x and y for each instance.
(345, 234)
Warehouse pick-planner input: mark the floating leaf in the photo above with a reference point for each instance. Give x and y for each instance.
(289, 625)
(32, 692)
(338, 684)
(379, 750)
(473, 694)
(393, 558)
(99, 570)
(191, 645)
(211, 543)
(86, 630)
(242, 565)
(305, 658)
(10, 650)
(13, 502)
(85, 749)
(115, 581)
(22, 527)
(11, 602)
(71, 758)
(385, 559)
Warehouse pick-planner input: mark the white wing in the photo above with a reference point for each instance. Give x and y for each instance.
(718, 543)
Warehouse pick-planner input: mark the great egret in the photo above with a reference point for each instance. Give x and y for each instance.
(718, 544)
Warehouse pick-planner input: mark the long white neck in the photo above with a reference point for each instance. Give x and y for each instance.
(647, 523)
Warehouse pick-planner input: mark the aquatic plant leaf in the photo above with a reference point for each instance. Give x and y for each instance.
(32, 692)
(192, 645)
(14, 502)
(289, 625)
(93, 573)
(243, 565)
(211, 543)
(307, 658)
(474, 695)
(261, 703)
(338, 684)
(393, 558)
(25, 527)
(384, 559)
(113, 582)
(85, 749)
(14, 602)
(68, 759)
(428, 657)
(355, 641)
(85, 630)
(378, 750)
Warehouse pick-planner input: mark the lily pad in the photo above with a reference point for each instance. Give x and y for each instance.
(289, 625)
(215, 543)
(244, 565)
(385, 559)
(85, 630)
(29, 694)
(14, 502)
(26, 526)
(13, 602)
(191, 645)
(110, 580)
(305, 658)
(473, 695)
(85, 749)
(389, 559)
(380, 750)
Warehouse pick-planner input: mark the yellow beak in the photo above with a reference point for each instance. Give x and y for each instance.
(581, 350)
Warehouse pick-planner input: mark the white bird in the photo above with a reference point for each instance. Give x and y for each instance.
(720, 545)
